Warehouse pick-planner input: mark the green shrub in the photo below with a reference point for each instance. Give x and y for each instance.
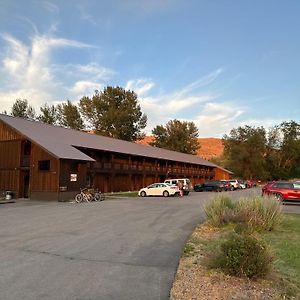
(261, 213)
(220, 210)
(243, 255)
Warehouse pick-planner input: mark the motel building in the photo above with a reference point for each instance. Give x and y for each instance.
(46, 162)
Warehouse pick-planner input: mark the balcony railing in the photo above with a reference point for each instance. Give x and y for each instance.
(139, 168)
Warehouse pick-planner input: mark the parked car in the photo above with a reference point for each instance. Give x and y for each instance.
(227, 185)
(211, 185)
(249, 183)
(282, 190)
(234, 183)
(187, 185)
(242, 184)
(159, 189)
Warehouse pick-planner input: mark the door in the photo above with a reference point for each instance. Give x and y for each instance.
(24, 184)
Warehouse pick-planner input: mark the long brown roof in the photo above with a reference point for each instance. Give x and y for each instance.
(62, 143)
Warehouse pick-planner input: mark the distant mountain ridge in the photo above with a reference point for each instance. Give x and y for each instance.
(210, 147)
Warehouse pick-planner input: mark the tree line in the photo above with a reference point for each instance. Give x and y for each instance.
(258, 153)
(113, 112)
(249, 152)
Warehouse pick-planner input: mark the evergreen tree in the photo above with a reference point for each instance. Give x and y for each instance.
(22, 109)
(68, 116)
(48, 114)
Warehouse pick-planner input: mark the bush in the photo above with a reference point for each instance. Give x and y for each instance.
(220, 210)
(261, 213)
(243, 255)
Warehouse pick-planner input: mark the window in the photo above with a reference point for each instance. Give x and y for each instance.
(284, 185)
(297, 186)
(44, 165)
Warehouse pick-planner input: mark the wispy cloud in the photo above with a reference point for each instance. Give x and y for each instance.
(95, 70)
(163, 107)
(32, 72)
(85, 15)
(200, 83)
(139, 86)
(51, 7)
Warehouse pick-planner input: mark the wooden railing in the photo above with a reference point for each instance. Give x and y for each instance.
(140, 168)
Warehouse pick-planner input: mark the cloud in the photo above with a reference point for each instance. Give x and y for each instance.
(216, 119)
(81, 88)
(95, 70)
(139, 86)
(50, 7)
(32, 73)
(167, 106)
(85, 15)
(200, 83)
(266, 123)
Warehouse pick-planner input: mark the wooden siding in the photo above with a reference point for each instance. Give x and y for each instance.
(66, 169)
(6, 133)
(221, 174)
(46, 181)
(10, 154)
(9, 180)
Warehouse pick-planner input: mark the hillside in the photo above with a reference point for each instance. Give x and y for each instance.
(210, 147)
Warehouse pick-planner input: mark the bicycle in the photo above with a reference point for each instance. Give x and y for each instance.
(96, 195)
(83, 196)
(88, 195)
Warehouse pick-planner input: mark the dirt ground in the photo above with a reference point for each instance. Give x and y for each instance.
(194, 281)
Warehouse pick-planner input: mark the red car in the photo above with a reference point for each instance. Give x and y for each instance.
(282, 190)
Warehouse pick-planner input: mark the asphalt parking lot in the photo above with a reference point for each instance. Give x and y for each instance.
(115, 249)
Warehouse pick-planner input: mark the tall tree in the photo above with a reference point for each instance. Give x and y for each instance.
(273, 154)
(48, 114)
(68, 115)
(114, 112)
(290, 148)
(178, 136)
(245, 149)
(22, 109)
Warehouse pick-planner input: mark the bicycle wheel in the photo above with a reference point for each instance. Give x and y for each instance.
(79, 198)
(97, 197)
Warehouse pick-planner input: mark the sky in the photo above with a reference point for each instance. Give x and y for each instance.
(218, 63)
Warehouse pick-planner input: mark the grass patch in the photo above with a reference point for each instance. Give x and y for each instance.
(285, 243)
(248, 238)
(258, 213)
